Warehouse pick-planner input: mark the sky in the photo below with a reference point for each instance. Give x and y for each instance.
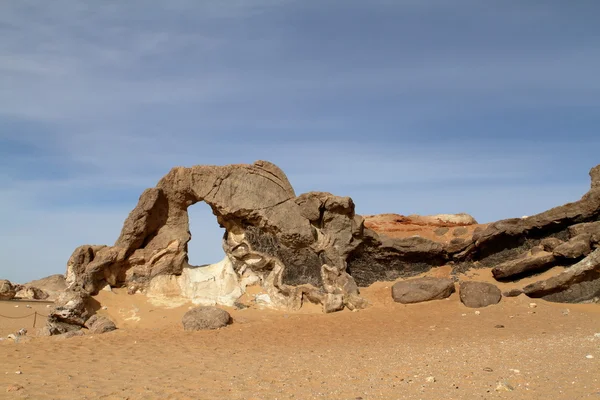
(407, 106)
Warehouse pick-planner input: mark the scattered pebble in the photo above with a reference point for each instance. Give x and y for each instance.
(532, 305)
(477, 312)
(597, 335)
(488, 369)
(589, 356)
(566, 311)
(463, 315)
(47, 305)
(430, 379)
(105, 308)
(499, 326)
(18, 372)
(16, 306)
(504, 387)
(514, 371)
(14, 388)
(28, 306)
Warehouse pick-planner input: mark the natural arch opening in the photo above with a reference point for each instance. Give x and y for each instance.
(206, 244)
(209, 277)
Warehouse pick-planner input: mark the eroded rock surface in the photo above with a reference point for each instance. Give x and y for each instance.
(7, 290)
(288, 244)
(52, 285)
(99, 324)
(205, 318)
(32, 293)
(479, 294)
(311, 247)
(422, 289)
(579, 283)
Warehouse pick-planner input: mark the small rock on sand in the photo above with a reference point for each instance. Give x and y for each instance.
(14, 388)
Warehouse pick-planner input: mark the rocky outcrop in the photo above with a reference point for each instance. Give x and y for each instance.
(205, 318)
(529, 262)
(577, 247)
(422, 289)
(31, 293)
(311, 247)
(579, 283)
(519, 233)
(479, 294)
(288, 244)
(7, 290)
(52, 285)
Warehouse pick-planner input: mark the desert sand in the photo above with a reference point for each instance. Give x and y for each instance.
(434, 350)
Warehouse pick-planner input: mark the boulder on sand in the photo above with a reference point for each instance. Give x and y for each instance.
(99, 324)
(205, 317)
(422, 289)
(479, 294)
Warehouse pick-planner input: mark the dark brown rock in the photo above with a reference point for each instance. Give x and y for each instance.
(577, 247)
(479, 294)
(529, 264)
(422, 289)
(549, 244)
(512, 293)
(578, 283)
(512, 233)
(205, 317)
(588, 228)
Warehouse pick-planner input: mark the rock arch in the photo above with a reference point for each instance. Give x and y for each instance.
(295, 246)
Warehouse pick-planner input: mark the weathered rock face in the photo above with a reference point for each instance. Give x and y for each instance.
(287, 244)
(579, 283)
(7, 290)
(308, 247)
(529, 263)
(31, 293)
(99, 324)
(479, 294)
(52, 285)
(204, 318)
(422, 289)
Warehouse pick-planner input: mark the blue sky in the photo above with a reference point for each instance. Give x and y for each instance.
(407, 106)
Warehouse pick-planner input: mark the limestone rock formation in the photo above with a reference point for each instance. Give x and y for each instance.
(52, 285)
(311, 247)
(204, 318)
(479, 294)
(31, 293)
(422, 289)
(7, 290)
(286, 243)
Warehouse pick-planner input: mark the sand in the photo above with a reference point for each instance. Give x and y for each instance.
(435, 350)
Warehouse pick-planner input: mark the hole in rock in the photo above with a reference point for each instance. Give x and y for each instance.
(206, 245)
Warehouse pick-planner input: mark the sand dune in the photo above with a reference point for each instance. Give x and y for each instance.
(436, 350)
